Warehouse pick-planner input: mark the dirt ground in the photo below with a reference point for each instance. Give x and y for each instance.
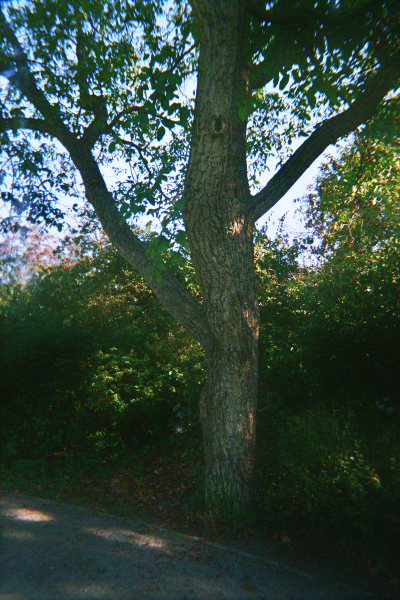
(52, 551)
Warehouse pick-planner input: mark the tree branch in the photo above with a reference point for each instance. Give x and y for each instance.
(21, 77)
(175, 298)
(96, 128)
(122, 113)
(326, 134)
(39, 125)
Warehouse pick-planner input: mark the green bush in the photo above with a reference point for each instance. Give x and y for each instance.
(317, 472)
(93, 367)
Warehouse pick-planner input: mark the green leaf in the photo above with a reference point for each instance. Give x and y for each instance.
(184, 114)
(160, 133)
(143, 119)
(284, 81)
(181, 238)
(173, 107)
(195, 33)
(311, 98)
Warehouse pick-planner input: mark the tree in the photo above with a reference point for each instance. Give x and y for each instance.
(103, 78)
(331, 326)
(352, 299)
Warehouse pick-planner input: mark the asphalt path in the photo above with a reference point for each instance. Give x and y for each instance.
(51, 551)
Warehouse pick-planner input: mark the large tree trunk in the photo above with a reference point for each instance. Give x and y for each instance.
(227, 408)
(221, 242)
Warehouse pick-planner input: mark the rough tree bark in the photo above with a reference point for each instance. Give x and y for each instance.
(220, 234)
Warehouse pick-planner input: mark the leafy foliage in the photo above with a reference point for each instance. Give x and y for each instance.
(98, 59)
(92, 364)
(329, 445)
(120, 75)
(100, 372)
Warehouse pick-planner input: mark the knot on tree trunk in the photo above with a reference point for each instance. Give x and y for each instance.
(218, 125)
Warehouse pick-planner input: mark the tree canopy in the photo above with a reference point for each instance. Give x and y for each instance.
(112, 77)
